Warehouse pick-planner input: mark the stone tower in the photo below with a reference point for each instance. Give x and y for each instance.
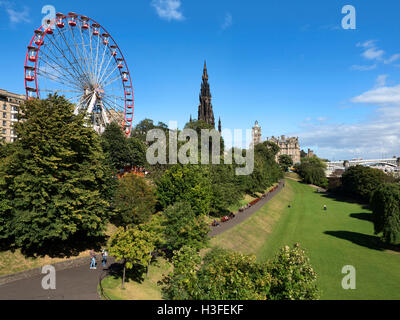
(256, 134)
(205, 107)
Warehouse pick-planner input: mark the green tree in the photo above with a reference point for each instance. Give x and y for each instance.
(188, 183)
(116, 148)
(133, 246)
(54, 183)
(228, 275)
(385, 204)
(184, 227)
(361, 182)
(179, 284)
(266, 171)
(138, 149)
(312, 171)
(225, 191)
(134, 201)
(285, 161)
(293, 277)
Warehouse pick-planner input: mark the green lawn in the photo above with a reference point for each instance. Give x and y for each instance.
(148, 289)
(341, 236)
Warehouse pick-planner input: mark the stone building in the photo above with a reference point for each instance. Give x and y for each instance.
(310, 153)
(256, 134)
(9, 109)
(289, 146)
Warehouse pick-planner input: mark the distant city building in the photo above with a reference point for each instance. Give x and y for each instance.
(117, 116)
(256, 134)
(9, 108)
(289, 146)
(310, 153)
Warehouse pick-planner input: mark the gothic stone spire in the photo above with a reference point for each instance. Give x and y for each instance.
(205, 107)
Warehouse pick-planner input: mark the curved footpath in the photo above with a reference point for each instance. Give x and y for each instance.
(79, 282)
(241, 216)
(72, 283)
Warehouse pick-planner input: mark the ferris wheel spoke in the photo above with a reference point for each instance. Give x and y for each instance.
(54, 78)
(106, 68)
(78, 74)
(76, 48)
(112, 81)
(84, 101)
(60, 45)
(101, 64)
(71, 77)
(81, 72)
(111, 107)
(86, 54)
(110, 96)
(59, 90)
(63, 76)
(97, 55)
(116, 106)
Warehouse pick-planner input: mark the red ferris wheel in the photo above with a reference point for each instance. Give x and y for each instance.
(74, 56)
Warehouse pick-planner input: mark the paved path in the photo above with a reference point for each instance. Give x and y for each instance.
(78, 283)
(241, 216)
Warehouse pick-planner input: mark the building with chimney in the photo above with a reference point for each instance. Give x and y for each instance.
(289, 146)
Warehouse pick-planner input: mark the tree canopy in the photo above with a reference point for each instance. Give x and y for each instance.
(133, 246)
(360, 181)
(184, 227)
(189, 183)
(312, 171)
(385, 204)
(134, 200)
(54, 183)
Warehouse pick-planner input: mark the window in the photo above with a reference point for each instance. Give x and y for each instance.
(4, 123)
(4, 115)
(14, 108)
(4, 107)
(14, 116)
(4, 131)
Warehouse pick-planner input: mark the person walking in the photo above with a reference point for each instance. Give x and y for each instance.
(104, 254)
(92, 259)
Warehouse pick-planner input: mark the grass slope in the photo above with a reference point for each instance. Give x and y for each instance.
(343, 235)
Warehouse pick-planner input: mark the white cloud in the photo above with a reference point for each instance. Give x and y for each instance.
(372, 137)
(363, 68)
(228, 21)
(168, 9)
(15, 15)
(367, 44)
(381, 80)
(380, 96)
(373, 53)
(392, 59)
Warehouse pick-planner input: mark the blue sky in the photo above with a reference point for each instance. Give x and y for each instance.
(288, 64)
